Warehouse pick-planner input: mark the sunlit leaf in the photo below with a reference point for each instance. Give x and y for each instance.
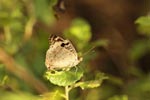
(89, 84)
(4, 81)
(81, 29)
(79, 32)
(92, 83)
(144, 25)
(64, 78)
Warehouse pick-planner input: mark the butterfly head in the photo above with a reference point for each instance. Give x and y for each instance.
(54, 38)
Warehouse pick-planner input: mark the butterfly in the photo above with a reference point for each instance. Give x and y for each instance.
(61, 54)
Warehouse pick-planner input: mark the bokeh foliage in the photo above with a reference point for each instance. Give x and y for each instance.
(22, 54)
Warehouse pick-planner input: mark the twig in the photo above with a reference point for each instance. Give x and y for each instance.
(21, 72)
(67, 92)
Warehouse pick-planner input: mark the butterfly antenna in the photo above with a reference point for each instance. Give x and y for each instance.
(91, 49)
(76, 69)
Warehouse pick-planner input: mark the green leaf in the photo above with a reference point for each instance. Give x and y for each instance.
(81, 29)
(64, 78)
(79, 32)
(140, 48)
(89, 84)
(4, 80)
(143, 25)
(92, 83)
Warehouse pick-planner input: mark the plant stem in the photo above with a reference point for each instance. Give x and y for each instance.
(67, 92)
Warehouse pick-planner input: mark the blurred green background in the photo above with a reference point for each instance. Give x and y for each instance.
(113, 37)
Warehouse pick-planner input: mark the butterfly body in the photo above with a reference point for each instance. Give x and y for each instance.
(61, 54)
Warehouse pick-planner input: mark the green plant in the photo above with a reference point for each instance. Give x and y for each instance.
(71, 79)
(74, 77)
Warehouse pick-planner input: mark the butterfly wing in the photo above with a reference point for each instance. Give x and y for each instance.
(61, 54)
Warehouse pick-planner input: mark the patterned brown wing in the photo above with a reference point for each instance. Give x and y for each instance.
(61, 54)
(53, 38)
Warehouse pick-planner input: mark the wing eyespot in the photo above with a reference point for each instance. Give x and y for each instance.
(62, 45)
